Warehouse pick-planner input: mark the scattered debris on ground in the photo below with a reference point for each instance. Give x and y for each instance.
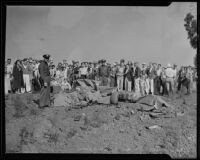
(96, 119)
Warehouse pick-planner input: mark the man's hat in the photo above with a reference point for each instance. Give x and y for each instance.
(143, 63)
(9, 59)
(122, 60)
(169, 65)
(25, 59)
(46, 56)
(103, 60)
(100, 61)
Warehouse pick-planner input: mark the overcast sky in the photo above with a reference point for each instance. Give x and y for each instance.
(88, 33)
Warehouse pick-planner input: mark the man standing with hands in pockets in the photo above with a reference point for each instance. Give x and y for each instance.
(44, 100)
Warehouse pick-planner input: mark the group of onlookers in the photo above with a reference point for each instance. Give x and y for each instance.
(20, 77)
(150, 78)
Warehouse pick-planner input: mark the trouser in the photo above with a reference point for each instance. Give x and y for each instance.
(147, 86)
(151, 85)
(137, 85)
(163, 85)
(104, 81)
(128, 84)
(7, 84)
(142, 86)
(175, 83)
(27, 84)
(157, 85)
(170, 84)
(124, 83)
(44, 96)
(120, 82)
(191, 85)
(133, 84)
(112, 81)
(108, 84)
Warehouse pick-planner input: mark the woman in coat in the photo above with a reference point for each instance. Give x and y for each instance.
(18, 82)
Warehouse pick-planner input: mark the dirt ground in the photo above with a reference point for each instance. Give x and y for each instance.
(118, 128)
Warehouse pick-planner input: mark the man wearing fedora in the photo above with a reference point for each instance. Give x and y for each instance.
(169, 72)
(137, 75)
(120, 75)
(103, 73)
(128, 76)
(113, 75)
(26, 75)
(8, 76)
(143, 80)
(44, 72)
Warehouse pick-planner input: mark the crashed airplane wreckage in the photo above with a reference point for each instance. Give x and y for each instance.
(86, 92)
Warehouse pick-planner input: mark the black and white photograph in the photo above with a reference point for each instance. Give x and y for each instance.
(101, 79)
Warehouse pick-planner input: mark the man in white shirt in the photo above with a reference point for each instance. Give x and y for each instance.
(8, 76)
(169, 72)
(66, 71)
(120, 75)
(83, 71)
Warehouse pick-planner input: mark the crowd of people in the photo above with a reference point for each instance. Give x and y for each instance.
(152, 78)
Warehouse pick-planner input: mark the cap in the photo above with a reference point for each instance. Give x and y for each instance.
(46, 56)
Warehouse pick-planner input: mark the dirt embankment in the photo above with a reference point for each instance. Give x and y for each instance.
(122, 128)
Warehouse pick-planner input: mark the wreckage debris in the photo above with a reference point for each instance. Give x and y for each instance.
(153, 127)
(114, 98)
(87, 92)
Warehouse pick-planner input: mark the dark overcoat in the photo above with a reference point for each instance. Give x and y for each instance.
(44, 78)
(18, 81)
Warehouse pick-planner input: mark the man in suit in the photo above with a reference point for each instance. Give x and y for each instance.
(137, 77)
(120, 75)
(151, 73)
(104, 73)
(26, 76)
(45, 77)
(169, 72)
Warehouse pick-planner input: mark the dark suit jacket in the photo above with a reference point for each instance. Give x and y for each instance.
(137, 72)
(151, 74)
